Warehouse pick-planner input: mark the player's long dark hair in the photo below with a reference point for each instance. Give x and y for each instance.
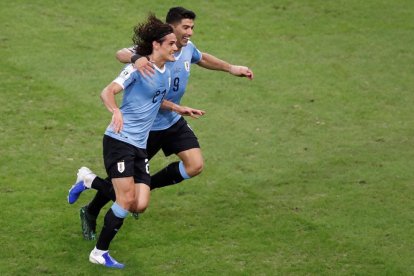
(145, 33)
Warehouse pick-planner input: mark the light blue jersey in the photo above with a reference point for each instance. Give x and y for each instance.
(140, 104)
(180, 72)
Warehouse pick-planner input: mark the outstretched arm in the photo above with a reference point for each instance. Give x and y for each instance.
(211, 62)
(144, 67)
(182, 110)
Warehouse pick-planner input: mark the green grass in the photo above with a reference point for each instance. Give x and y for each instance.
(309, 167)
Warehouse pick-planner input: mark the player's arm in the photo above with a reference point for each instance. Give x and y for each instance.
(142, 63)
(182, 110)
(124, 55)
(212, 63)
(108, 98)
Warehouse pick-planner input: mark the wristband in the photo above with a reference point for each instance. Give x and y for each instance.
(135, 57)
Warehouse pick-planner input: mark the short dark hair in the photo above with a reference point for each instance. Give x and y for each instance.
(176, 14)
(151, 30)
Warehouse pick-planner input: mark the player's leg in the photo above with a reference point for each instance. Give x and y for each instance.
(143, 179)
(180, 140)
(89, 213)
(105, 193)
(113, 221)
(191, 164)
(119, 159)
(142, 194)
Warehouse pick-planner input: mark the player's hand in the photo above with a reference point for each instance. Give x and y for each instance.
(241, 71)
(144, 67)
(188, 111)
(117, 121)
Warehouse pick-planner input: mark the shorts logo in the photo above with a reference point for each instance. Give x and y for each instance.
(187, 66)
(121, 166)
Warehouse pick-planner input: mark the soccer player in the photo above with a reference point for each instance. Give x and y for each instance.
(125, 139)
(170, 131)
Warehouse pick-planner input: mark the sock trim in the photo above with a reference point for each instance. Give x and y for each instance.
(182, 170)
(119, 212)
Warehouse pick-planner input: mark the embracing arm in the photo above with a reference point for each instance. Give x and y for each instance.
(143, 65)
(182, 110)
(108, 98)
(124, 55)
(211, 62)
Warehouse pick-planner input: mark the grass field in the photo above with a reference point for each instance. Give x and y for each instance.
(309, 167)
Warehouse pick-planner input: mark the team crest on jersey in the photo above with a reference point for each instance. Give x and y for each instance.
(187, 66)
(126, 72)
(121, 166)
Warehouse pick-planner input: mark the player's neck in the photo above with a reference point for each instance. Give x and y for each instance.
(159, 62)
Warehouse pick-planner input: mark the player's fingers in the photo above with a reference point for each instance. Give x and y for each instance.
(150, 68)
(249, 74)
(192, 114)
(200, 112)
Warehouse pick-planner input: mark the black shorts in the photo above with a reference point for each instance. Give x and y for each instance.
(177, 138)
(124, 160)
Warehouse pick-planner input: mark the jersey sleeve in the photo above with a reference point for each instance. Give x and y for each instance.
(126, 77)
(196, 56)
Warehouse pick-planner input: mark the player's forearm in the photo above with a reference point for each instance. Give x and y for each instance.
(108, 97)
(124, 55)
(212, 63)
(168, 105)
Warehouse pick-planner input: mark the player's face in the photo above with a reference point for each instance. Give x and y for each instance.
(183, 31)
(168, 47)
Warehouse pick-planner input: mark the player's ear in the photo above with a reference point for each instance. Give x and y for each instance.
(155, 45)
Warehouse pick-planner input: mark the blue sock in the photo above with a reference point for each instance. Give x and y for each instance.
(182, 170)
(119, 211)
(113, 221)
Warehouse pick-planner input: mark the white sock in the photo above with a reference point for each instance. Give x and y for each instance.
(98, 252)
(88, 179)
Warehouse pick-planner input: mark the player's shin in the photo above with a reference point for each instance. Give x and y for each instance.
(174, 173)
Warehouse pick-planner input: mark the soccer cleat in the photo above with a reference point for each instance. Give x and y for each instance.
(135, 215)
(79, 186)
(104, 259)
(88, 224)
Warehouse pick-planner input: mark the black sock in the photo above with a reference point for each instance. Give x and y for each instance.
(97, 203)
(111, 226)
(105, 186)
(170, 175)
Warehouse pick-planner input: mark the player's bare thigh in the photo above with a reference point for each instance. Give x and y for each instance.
(125, 191)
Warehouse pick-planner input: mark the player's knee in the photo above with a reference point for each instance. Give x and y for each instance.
(195, 168)
(142, 208)
(128, 200)
(139, 207)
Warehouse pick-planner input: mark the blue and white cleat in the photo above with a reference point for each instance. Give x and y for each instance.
(104, 259)
(79, 186)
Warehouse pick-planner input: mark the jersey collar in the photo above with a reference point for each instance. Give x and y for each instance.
(161, 70)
